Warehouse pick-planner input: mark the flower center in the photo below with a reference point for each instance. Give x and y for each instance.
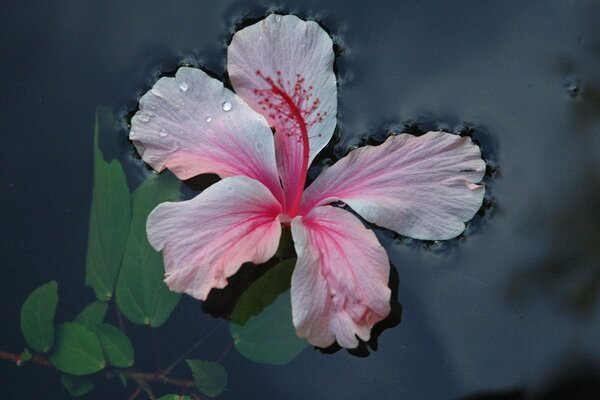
(293, 110)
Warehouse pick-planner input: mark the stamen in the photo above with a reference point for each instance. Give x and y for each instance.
(291, 105)
(293, 110)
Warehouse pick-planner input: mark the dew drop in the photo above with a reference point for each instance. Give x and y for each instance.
(278, 18)
(259, 146)
(162, 133)
(156, 92)
(208, 120)
(227, 106)
(144, 117)
(229, 188)
(184, 86)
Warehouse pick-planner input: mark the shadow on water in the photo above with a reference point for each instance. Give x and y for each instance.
(568, 275)
(579, 379)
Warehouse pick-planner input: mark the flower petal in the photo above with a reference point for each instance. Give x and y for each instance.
(339, 286)
(191, 125)
(205, 240)
(283, 67)
(423, 187)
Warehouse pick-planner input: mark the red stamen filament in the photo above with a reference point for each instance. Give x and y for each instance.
(292, 110)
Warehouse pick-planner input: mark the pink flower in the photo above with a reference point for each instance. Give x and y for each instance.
(281, 68)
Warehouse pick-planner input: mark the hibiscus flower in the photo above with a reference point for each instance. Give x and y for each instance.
(282, 71)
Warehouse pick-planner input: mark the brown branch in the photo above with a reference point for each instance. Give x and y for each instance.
(141, 378)
(35, 358)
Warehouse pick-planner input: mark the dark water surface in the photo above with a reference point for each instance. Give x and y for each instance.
(512, 307)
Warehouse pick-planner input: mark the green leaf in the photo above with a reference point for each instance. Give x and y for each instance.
(142, 295)
(174, 397)
(210, 377)
(115, 345)
(76, 385)
(261, 322)
(37, 317)
(286, 245)
(93, 314)
(78, 350)
(109, 216)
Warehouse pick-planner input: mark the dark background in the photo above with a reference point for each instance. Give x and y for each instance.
(512, 306)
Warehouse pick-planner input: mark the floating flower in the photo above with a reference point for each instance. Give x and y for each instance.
(282, 71)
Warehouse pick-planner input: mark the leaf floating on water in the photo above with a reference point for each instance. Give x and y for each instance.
(78, 350)
(261, 323)
(109, 216)
(37, 317)
(210, 377)
(115, 344)
(76, 385)
(141, 293)
(93, 314)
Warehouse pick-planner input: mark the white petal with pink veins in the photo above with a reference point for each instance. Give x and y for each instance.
(286, 48)
(191, 125)
(340, 282)
(283, 67)
(206, 239)
(424, 187)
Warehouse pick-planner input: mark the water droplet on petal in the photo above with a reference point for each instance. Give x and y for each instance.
(259, 146)
(278, 18)
(184, 86)
(227, 106)
(162, 133)
(143, 117)
(208, 120)
(229, 188)
(156, 92)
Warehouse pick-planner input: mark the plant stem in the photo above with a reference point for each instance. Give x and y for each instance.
(168, 370)
(141, 378)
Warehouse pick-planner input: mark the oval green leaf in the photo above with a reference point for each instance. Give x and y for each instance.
(174, 397)
(261, 322)
(109, 215)
(93, 314)
(78, 350)
(76, 385)
(210, 377)
(37, 317)
(115, 344)
(142, 295)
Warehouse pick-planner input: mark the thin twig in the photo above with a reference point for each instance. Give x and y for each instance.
(138, 377)
(168, 370)
(135, 394)
(225, 352)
